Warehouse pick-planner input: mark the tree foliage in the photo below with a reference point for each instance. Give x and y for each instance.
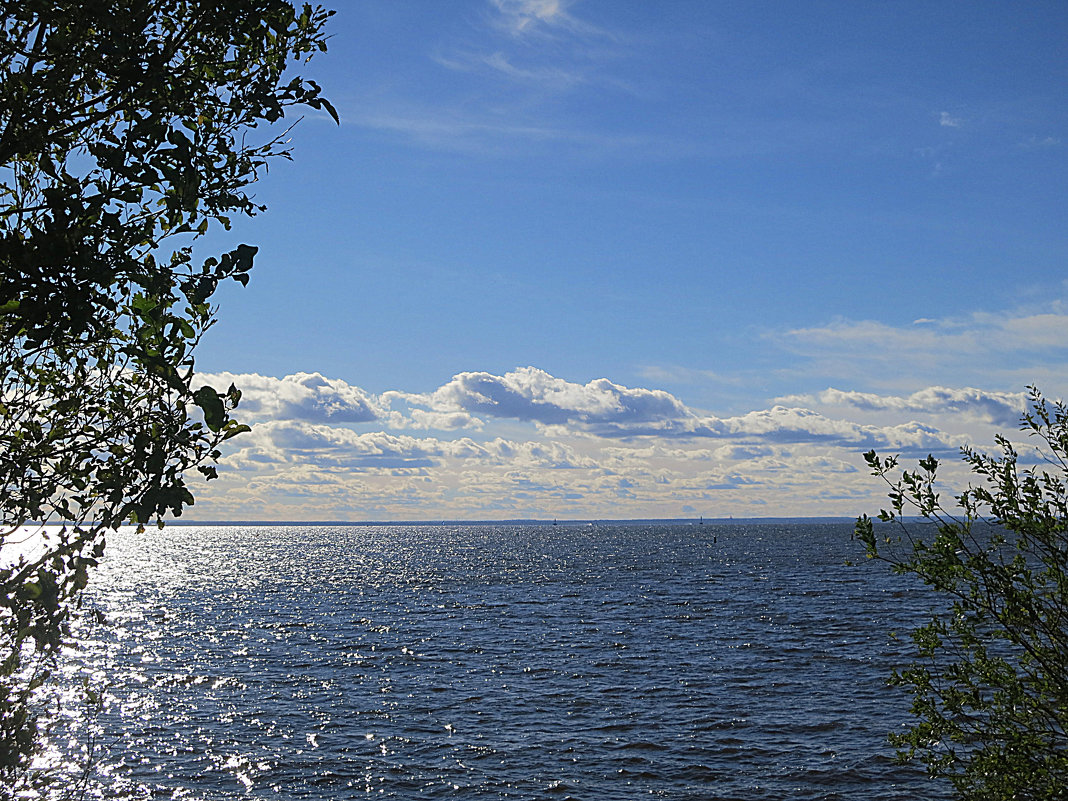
(128, 128)
(990, 683)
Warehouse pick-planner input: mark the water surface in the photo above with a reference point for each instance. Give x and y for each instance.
(501, 662)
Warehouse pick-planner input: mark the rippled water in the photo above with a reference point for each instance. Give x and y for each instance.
(526, 662)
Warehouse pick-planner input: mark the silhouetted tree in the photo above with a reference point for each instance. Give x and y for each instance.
(127, 129)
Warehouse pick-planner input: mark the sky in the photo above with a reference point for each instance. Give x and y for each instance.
(604, 259)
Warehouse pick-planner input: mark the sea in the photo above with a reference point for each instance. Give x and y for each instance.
(601, 661)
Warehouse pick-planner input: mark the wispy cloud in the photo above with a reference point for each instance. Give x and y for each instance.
(947, 120)
(492, 132)
(678, 374)
(539, 74)
(998, 408)
(540, 17)
(507, 72)
(1010, 349)
(1041, 142)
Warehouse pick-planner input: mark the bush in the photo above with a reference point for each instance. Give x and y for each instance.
(990, 682)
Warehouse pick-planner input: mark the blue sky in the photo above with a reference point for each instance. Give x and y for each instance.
(622, 259)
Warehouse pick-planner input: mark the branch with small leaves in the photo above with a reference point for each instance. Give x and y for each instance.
(128, 130)
(990, 684)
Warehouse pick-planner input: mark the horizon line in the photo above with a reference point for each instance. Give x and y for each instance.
(513, 521)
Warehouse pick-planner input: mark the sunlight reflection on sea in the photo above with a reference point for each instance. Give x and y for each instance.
(607, 662)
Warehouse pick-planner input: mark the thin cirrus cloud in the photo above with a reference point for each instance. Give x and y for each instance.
(542, 76)
(480, 132)
(1013, 348)
(552, 76)
(999, 408)
(531, 17)
(542, 44)
(982, 332)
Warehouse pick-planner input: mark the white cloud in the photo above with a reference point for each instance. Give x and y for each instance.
(542, 446)
(301, 396)
(441, 421)
(553, 455)
(304, 413)
(738, 453)
(298, 442)
(795, 425)
(533, 395)
(604, 409)
(324, 446)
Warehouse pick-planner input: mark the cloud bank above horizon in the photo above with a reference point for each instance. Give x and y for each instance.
(527, 444)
